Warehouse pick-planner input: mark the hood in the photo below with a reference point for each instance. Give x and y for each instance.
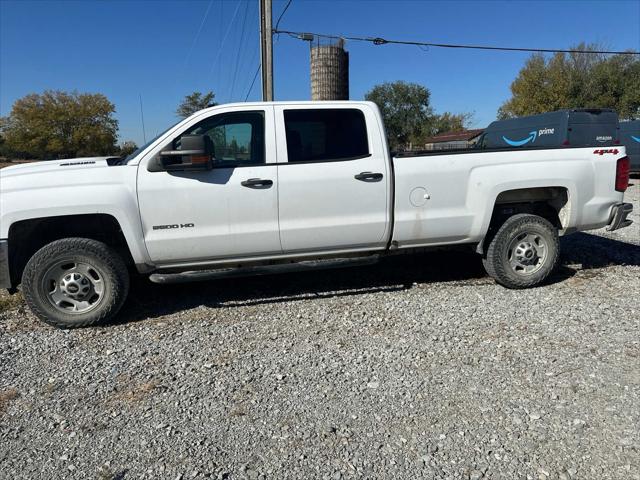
(45, 166)
(65, 187)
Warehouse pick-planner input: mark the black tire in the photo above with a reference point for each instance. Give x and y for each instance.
(104, 272)
(507, 258)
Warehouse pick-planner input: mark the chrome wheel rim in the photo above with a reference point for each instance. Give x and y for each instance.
(527, 253)
(73, 287)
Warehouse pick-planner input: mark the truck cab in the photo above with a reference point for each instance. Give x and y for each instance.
(278, 180)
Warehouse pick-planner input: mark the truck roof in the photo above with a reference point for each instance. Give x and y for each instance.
(291, 102)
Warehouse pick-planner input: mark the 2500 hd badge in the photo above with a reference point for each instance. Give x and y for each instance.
(175, 225)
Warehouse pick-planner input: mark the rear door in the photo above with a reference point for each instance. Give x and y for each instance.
(333, 176)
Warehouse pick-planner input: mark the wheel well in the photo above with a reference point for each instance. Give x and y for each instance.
(551, 203)
(27, 236)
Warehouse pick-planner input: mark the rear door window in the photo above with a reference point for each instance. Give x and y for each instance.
(320, 135)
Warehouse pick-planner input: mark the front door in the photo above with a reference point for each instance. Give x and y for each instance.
(230, 211)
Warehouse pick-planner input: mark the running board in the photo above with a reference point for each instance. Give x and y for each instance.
(203, 275)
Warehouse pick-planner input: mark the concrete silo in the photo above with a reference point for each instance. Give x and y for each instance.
(329, 71)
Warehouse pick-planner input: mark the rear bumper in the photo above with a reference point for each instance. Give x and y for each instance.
(618, 218)
(5, 278)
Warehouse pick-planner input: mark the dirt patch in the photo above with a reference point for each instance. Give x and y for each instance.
(7, 302)
(584, 277)
(135, 393)
(7, 396)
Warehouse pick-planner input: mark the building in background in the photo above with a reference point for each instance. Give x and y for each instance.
(453, 140)
(329, 71)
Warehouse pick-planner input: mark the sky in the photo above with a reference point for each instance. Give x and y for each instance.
(160, 51)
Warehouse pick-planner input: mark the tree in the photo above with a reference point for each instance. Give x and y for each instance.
(194, 102)
(451, 122)
(5, 151)
(127, 148)
(405, 109)
(575, 80)
(408, 116)
(232, 148)
(58, 124)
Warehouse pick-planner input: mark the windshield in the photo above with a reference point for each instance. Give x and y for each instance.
(140, 149)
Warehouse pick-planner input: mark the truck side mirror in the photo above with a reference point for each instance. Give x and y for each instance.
(196, 153)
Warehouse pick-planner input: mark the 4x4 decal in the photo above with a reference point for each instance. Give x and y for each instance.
(602, 151)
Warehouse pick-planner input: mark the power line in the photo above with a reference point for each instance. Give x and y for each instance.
(252, 82)
(224, 39)
(266, 45)
(255, 76)
(215, 78)
(251, 62)
(195, 39)
(144, 132)
(382, 41)
(284, 10)
(235, 70)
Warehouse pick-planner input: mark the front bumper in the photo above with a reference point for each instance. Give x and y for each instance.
(5, 278)
(618, 218)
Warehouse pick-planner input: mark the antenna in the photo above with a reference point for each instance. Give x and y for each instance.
(144, 133)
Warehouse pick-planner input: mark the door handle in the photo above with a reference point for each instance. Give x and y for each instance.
(368, 177)
(257, 183)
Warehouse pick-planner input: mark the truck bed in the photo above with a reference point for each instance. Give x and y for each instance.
(453, 199)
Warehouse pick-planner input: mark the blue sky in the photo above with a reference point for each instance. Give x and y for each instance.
(163, 49)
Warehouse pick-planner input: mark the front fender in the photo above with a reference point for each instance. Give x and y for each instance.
(111, 192)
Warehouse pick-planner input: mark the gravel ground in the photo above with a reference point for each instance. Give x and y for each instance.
(418, 367)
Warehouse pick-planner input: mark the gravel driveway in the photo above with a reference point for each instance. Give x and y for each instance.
(418, 367)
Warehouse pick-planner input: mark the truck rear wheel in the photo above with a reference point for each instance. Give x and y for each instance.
(75, 282)
(523, 252)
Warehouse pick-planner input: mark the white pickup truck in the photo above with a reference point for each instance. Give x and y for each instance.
(260, 187)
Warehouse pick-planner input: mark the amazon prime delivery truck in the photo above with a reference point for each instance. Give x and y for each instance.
(578, 127)
(630, 138)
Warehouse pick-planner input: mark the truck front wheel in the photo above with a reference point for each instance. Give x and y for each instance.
(75, 282)
(523, 252)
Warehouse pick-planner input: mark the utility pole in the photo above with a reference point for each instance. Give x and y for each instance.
(266, 50)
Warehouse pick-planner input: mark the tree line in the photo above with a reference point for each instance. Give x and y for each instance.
(56, 124)
(576, 80)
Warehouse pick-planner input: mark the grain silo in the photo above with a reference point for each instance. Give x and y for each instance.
(329, 71)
